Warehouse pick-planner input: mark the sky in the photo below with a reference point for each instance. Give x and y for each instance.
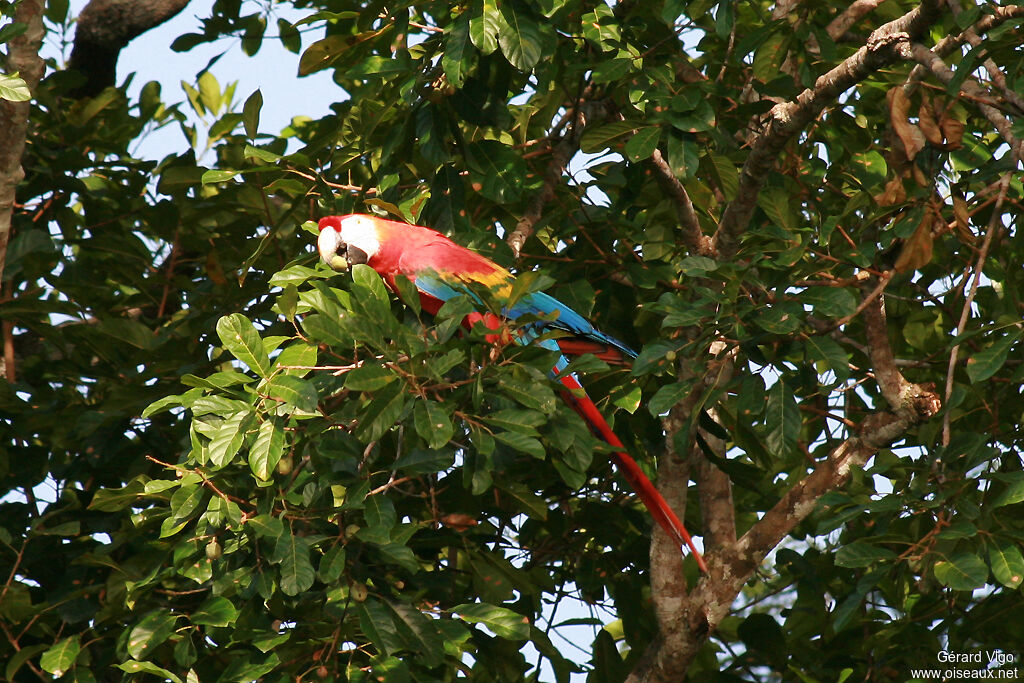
(273, 70)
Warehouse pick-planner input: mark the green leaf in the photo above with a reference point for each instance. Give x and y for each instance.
(420, 461)
(419, 633)
(218, 176)
(725, 174)
(382, 413)
(135, 667)
(643, 143)
(497, 168)
(294, 392)
(13, 88)
(209, 92)
(151, 631)
(601, 28)
(830, 302)
(366, 277)
(369, 377)
(1014, 491)
(779, 319)
(112, 500)
(241, 339)
(530, 395)
(294, 275)
(770, 56)
(327, 329)
(829, 355)
(377, 622)
(503, 622)
(380, 514)
(433, 423)
(962, 572)
(777, 203)
(860, 554)
(215, 611)
(266, 526)
(186, 500)
(61, 655)
(984, 364)
(251, 113)
(682, 158)
(267, 450)
(292, 553)
(228, 438)
(532, 504)
(521, 442)
(458, 51)
(20, 657)
(782, 416)
(667, 396)
(519, 37)
(484, 24)
(1007, 563)
(600, 138)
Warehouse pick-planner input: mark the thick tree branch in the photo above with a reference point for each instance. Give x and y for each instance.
(886, 45)
(850, 16)
(104, 28)
(694, 239)
(23, 58)
(669, 656)
(716, 503)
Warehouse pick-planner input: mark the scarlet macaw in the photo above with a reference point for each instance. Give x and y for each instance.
(441, 270)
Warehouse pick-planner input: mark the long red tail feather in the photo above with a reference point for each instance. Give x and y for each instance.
(652, 499)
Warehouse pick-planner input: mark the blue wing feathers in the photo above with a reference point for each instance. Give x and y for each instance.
(569, 320)
(535, 303)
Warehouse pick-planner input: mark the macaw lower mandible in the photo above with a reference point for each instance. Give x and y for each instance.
(441, 270)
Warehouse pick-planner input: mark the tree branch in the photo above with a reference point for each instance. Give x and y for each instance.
(995, 220)
(850, 16)
(23, 58)
(886, 45)
(694, 239)
(104, 28)
(933, 63)
(561, 153)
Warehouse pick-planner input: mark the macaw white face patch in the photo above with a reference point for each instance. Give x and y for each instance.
(360, 232)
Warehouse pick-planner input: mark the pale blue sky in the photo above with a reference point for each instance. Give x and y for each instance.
(273, 70)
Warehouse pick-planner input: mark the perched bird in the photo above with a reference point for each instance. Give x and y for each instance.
(441, 269)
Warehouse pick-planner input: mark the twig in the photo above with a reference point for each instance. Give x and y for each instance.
(206, 481)
(966, 310)
(883, 281)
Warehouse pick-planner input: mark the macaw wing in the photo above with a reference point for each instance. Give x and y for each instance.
(583, 336)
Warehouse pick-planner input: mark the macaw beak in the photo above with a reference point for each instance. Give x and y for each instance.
(336, 253)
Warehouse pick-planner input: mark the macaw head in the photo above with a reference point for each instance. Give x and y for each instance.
(347, 240)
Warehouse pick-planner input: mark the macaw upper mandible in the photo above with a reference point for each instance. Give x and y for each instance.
(441, 269)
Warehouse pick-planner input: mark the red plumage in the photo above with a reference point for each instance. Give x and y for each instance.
(440, 268)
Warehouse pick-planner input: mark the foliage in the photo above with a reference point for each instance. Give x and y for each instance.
(263, 470)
